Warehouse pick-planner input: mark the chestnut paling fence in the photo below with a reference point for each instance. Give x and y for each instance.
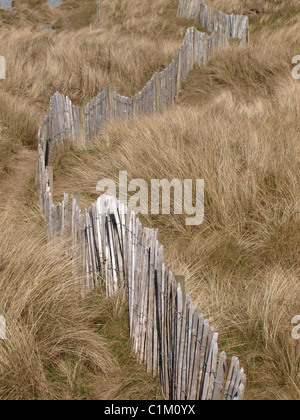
(229, 26)
(110, 247)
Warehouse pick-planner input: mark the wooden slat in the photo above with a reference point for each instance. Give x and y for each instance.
(231, 376)
(212, 365)
(192, 349)
(186, 362)
(156, 309)
(165, 290)
(141, 303)
(144, 295)
(173, 328)
(204, 338)
(219, 383)
(182, 342)
(150, 314)
(240, 380)
(134, 294)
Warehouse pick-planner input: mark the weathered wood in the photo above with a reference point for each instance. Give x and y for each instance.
(91, 235)
(140, 281)
(178, 79)
(131, 274)
(160, 310)
(181, 280)
(2, 68)
(51, 183)
(156, 310)
(199, 323)
(77, 197)
(134, 106)
(150, 314)
(182, 343)
(108, 243)
(232, 372)
(165, 291)
(204, 338)
(82, 126)
(98, 13)
(137, 238)
(67, 120)
(211, 337)
(219, 382)
(65, 216)
(236, 25)
(89, 252)
(241, 391)
(212, 365)
(173, 328)
(157, 99)
(110, 102)
(239, 381)
(144, 296)
(187, 340)
(190, 343)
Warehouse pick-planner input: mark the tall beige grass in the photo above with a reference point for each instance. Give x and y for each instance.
(80, 63)
(59, 345)
(242, 264)
(51, 347)
(237, 127)
(263, 8)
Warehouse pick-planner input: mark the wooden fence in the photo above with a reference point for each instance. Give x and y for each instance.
(6, 4)
(83, 124)
(111, 248)
(228, 26)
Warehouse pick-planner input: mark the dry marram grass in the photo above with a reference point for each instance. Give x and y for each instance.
(236, 125)
(242, 264)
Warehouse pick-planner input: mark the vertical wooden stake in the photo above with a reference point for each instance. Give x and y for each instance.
(181, 280)
(44, 133)
(50, 173)
(82, 125)
(157, 94)
(194, 47)
(178, 81)
(134, 107)
(77, 198)
(98, 13)
(205, 48)
(110, 102)
(2, 68)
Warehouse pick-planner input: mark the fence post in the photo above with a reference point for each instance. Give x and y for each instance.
(157, 94)
(50, 174)
(134, 107)
(181, 280)
(2, 68)
(110, 102)
(194, 47)
(98, 13)
(178, 81)
(77, 198)
(82, 124)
